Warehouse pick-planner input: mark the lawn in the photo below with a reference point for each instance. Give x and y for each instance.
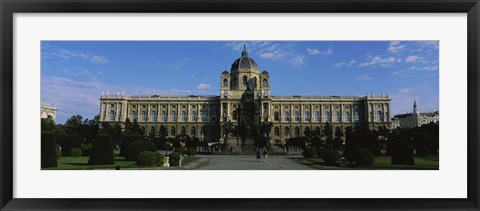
(81, 163)
(384, 163)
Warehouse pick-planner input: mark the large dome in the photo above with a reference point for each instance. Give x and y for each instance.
(244, 63)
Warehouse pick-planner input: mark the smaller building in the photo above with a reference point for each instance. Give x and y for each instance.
(48, 110)
(414, 119)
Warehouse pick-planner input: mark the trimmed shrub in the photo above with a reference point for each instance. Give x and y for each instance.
(330, 156)
(364, 157)
(75, 152)
(402, 153)
(309, 152)
(158, 159)
(70, 141)
(174, 158)
(180, 150)
(49, 151)
(86, 149)
(191, 152)
(127, 140)
(422, 151)
(139, 146)
(146, 158)
(102, 151)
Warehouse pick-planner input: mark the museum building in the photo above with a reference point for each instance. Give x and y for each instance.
(206, 117)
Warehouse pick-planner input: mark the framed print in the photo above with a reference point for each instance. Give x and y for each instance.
(239, 105)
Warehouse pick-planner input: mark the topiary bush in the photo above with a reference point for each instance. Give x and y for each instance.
(180, 150)
(309, 152)
(139, 146)
(102, 151)
(146, 158)
(75, 152)
(191, 152)
(174, 158)
(127, 140)
(70, 141)
(48, 150)
(86, 149)
(422, 151)
(364, 157)
(158, 159)
(402, 153)
(330, 156)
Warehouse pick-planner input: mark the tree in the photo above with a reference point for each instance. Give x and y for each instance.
(72, 125)
(328, 133)
(338, 142)
(47, 124)
(132, 127)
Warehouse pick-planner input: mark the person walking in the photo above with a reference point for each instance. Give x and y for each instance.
(265, 154)
(258, 152)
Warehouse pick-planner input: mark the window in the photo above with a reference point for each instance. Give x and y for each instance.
(225, 82)
(287, 131)
(234, 115)
(307, 116)
(164, 116)
(112, 105)
(174, 116)
(287, 116)
(328, 118)
(297, 116)
(277, 131)
(265, 82)
(154, 116)
(144, 116)
(184, 116)
(297, 131)
(134, 115)
(254, 81)
(153, 131)
(204, 116)
(182, 131)
(173, 131)
(346, 116)
(336, 116)
(194, 115)
(112, 115)
(276, 116)
(316, 116)
(192, 131)
(379, 116)
(245, 80)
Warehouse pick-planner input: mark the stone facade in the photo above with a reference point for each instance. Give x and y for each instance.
(48, 110)
(291, 115)
(415, 119)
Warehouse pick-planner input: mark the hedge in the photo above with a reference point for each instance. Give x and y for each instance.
(49, 151)
(309, 152)
(330, 156)
(102, 151)
(70, 141)
(139, 146)
(364, 157)
(174, 158)
(127, 140)
(75, 152)
(146, 158)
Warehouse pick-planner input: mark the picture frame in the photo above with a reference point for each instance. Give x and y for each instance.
(10, 7)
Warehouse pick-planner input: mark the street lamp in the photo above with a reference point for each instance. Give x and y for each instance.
(166, 159)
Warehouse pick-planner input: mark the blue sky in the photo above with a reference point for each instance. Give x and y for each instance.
(74, 73)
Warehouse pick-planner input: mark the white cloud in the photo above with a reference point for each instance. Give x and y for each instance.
(49, 51)
(396, 47)
(204, 86)
(276, 51)
(424, 68)
(405, 90)
(267, 55)
(364, 77)
(379, 61)
(180, 64)
(298, 61)
(341, 64)
(314, 51)
(412, 59)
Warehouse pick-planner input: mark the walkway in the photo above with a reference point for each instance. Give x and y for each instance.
(246, 162)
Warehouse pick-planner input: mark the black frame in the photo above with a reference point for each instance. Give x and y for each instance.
(10, 7)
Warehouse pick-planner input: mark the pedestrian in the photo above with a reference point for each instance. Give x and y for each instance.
(181, 159)
(258, 152)
(265, 154)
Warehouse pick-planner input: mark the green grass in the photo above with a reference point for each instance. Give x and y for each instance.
(81, 163)
(384, 163)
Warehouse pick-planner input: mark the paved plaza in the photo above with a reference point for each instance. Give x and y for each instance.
(248, 162)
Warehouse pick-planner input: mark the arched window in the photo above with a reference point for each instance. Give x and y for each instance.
(255, 82)
(356, 116)
(276, 116)
(182, 131)
(225, 82)
(336, 116)
(297, 131)
(316, 116)
(164, 116)
(144, 116)
(174, 116)
(173, 131)
(194, 115)
(297, 116)
(153, 131)
(265, 82)
(234, 115)
(287, 131)
(154, 116)
(192, 132)
(134, 115)
(307, 131)
(245, 80)
(184, 116)
(287, 116)
(346, 116)
(204, 116)
(277, 131)
(112, 115)
(379, 116)
(143, 130)
(328, 118)
(307, 116)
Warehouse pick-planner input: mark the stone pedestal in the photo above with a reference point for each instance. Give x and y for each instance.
(166, 161)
